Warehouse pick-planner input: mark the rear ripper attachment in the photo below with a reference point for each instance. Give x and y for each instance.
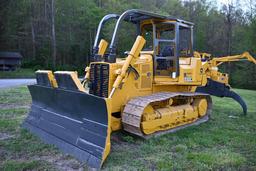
(64, 115)
(218, 89)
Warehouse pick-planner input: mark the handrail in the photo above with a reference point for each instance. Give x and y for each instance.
(102, 22)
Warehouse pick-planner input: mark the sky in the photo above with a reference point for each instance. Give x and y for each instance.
(226, 2)
(223, 1)
(243, 3)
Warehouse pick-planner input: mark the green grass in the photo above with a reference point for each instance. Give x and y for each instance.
(19, 73)
(24, 165)
(226, 142)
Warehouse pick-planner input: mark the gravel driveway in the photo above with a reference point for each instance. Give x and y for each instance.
(6, 83)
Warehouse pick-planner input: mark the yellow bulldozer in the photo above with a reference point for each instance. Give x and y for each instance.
(159, 87)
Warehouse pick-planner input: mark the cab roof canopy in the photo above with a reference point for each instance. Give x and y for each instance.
(136, 15)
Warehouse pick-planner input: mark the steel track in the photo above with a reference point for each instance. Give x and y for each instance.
(132, 114)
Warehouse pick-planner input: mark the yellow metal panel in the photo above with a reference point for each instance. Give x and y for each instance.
(102, 47)
(50, 77)
(131, 88)
(108, 143)
(74, 77)
(134, 53)
(115, 123)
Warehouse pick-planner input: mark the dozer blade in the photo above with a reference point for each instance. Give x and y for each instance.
(221, 90)
(74, 121)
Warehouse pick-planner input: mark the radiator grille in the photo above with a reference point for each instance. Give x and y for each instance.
(99, 79)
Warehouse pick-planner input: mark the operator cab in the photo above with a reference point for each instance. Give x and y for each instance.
(167, 39)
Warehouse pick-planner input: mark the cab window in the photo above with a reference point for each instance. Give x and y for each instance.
(147, 33)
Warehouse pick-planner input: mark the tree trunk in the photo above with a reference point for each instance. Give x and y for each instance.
(33, 39)
(32, 30)
(53, 33)
(90, 41)
(229, 18)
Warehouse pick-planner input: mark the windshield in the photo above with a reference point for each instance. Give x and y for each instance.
(147, 33)
(185, 44)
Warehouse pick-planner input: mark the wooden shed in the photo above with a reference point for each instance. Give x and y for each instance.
(9, 61)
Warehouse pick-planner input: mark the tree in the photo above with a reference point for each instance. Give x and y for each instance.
(53, 32)
(59, 34)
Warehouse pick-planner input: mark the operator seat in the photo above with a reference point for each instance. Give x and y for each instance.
(166, 51)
